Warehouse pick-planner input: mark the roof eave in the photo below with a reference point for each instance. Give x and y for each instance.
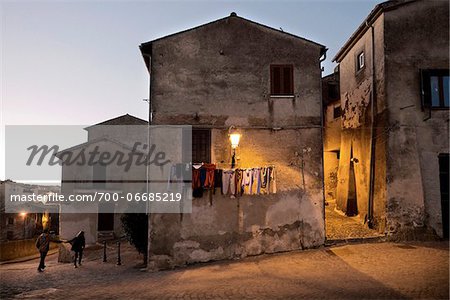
(146, 48)
(368, 21)
(358, 33)
(146, 51)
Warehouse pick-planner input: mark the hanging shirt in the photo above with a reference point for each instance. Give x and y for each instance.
(257, 180)
(197, 189)
(263, 177)
(218, 180)
(209, 177)
(273, 181)
(238, 182)
(247, 179)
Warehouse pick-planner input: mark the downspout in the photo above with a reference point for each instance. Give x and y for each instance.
(321, 59)
(373, 137)
(147, 171)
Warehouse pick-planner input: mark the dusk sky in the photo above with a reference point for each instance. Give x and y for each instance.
(67, 62)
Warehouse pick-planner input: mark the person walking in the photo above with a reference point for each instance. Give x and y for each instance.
(78, 243)
(43, 245)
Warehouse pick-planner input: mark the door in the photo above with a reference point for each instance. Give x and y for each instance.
(352, 202)
(106, 217)
(443, 179)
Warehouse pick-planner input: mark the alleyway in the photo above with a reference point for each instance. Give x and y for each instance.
(339, 226)
(375, 270)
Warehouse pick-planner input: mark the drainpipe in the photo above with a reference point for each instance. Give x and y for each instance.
(321, 59)
(373, 137)
(147, 171)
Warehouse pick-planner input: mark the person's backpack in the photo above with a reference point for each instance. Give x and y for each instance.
(43, 242)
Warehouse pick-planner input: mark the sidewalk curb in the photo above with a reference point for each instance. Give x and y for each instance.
(27, 258)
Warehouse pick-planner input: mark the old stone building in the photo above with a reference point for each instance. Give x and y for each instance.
(265, 84)
(20, 221)
(100, 220)
(394, 138)
(331, 132)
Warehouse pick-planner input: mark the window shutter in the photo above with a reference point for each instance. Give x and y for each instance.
(201, 145)
(276, 80)
(425, 89)
(287, 80)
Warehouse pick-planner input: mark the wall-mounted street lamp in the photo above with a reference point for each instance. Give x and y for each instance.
(234, 140)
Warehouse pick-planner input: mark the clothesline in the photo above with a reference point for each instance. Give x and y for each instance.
(233, 182)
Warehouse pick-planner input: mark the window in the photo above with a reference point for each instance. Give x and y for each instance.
(99, 175)
(337, 112)
(201, 145)
(360, 61)
(281, 80)
(333, 91)
(10, 221)
(435, 88)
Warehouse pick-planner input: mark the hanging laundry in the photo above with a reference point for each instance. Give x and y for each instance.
(202, 176)
(272, 180)
(233, 182)
(257, 180)
(238, 182)
(197, 189)
(226, 181)
(247, 179)
(209, 177)
(264, 180)
(218, 180)
(232, 190)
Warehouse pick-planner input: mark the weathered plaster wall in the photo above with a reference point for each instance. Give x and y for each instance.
(76, 180)
(416, 38)
(219, 75)
(332, 129)
(356, 94)
(221, 227)
(332, 145)
(193, 83)
(331, 135)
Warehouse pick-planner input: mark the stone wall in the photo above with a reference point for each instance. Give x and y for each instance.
(217, 76)
(416, 38)
(221, 227)
(356, 98)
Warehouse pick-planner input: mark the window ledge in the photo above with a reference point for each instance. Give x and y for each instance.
(282, 96)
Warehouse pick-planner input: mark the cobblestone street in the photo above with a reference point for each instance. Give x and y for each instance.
(339, 226)
(374, 270)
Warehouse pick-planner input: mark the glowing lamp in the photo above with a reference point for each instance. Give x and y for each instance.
(234, 139)
(23, 214)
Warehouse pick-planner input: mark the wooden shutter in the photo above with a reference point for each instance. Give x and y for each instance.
(281, 80)
(288, 80)
(275, 79)
(201, 145)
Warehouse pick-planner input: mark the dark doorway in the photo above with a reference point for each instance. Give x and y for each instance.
(352, 201)
(106, 217)
(99, 175)
(443, 179)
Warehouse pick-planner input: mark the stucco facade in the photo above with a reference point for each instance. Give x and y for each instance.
(403, 138)
(331, 132)
(100, 220)
(216, 76)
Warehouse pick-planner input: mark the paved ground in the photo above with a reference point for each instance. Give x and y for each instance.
(375, 270)
(339, 226)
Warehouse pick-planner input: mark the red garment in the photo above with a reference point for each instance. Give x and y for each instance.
(196, 178)
(210, 169)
